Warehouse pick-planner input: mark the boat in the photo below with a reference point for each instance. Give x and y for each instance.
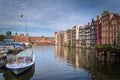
(27, 75)
(3, 56)
(21, 61)
(2, 62)
(3, 52)
(18, 46)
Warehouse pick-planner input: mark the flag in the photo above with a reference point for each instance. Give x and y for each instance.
(21, 16)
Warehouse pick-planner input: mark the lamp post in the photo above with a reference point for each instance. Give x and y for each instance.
(25, 25)
(27, 35)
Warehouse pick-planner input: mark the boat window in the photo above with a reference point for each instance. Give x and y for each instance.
(20, 59)
(28, 59)
(12, 60)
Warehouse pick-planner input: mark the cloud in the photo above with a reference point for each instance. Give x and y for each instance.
(48, 16)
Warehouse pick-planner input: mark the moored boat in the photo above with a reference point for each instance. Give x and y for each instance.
(21, 61)
(27, 75)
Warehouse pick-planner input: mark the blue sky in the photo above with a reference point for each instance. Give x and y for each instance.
(44, 17)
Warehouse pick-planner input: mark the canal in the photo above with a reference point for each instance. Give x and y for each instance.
(62, 63)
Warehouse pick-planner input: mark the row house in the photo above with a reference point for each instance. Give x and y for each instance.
(59, 38)
(75, 36)
(63, 37)
(69, 37)
(98, 31)
(93, 33)
(102, 30)
(110, 28)
(82, 37)
(87, 35)
(56, 38)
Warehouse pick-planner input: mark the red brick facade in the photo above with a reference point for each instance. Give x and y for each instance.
(98, 31)
(110, 28)
(40, 40)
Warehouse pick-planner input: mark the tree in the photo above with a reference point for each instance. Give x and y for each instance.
(69, 43)
(2, 37)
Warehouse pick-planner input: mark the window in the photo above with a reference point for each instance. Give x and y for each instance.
(112, 21)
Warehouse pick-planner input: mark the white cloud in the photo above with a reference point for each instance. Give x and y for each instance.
(53, 15)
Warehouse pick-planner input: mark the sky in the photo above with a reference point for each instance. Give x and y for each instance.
(45, 17)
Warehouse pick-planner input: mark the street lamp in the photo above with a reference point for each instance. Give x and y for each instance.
(25, 24)
(26, 29)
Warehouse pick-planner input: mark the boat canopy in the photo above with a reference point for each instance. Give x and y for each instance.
(26, 53)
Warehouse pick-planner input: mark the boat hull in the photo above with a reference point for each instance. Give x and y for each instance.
(18, 68)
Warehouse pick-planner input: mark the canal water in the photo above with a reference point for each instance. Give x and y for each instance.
(62, 63)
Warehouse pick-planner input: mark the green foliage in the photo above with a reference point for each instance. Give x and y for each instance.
(104, 47)
(69, 43)
(2, 37)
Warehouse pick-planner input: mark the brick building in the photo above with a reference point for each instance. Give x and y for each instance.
(39, 40)
(93, 33)
(21, 38)
(98, 30)
(110, 28)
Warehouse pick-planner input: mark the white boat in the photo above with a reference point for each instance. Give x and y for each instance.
(27, 75)
(21, 62)
(3, 53)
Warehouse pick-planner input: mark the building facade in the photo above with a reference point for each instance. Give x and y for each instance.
(33, 39)
(82, 37)
(87, 35)
(21, 38)
(104, 30)
(69, 37)
(93, 35)
(75, 36)
(98, 31)
(110, 28)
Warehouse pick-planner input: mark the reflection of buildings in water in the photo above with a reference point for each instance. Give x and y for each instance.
(61, 52)
(40, 48)
(72, 59)
(75, 56)
(56, 51)
(83, 58)
(111, 56)
(24, 76)
(106, 71)
(65, 53)
(86, 59)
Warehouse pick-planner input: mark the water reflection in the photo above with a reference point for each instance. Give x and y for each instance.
(62, 63)
(86, 59)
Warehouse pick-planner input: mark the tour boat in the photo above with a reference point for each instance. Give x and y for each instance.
(21, 61)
